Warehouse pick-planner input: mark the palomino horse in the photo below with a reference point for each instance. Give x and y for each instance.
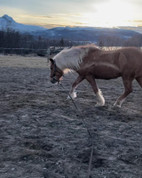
(93, 63)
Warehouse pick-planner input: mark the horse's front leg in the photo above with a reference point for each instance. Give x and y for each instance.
(72, 93)
(97, 91)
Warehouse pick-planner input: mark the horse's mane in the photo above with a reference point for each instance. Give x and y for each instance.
(73, 57)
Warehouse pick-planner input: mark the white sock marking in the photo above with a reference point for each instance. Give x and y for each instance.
(100, 99)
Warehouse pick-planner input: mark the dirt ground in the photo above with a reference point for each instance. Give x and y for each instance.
(42, 135)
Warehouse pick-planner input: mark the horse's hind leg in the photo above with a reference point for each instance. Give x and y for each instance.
(139, 80)
(72, 94)
(128, 89)
(97, 91)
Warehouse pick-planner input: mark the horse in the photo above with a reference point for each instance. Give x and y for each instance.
(92, 63)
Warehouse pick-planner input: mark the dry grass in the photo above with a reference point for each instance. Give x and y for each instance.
(22, 61)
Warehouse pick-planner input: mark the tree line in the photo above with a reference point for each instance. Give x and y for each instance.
(12, 39)
(15, 40)
(135, 41)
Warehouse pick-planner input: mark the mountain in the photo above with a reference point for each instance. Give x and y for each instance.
(7, 22)
(136, 29)
(88, 33)
(92, 34)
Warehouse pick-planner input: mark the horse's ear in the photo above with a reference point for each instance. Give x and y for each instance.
(51, 60)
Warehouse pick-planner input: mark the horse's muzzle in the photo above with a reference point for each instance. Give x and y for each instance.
(54, 80)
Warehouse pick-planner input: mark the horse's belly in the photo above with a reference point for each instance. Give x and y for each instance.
(104, 73)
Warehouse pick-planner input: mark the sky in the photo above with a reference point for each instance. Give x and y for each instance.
(95, 13)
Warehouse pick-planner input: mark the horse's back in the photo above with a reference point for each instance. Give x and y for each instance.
(124, 61)
(132, 53)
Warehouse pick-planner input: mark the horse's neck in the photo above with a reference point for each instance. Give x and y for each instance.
(71, 59)
(68, 64)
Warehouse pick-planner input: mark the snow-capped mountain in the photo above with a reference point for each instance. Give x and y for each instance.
(7, 22)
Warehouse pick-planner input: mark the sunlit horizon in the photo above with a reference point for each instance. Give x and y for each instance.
(84, 20)
(83, 13)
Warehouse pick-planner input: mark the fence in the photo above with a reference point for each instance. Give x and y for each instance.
(23, 51)
(42, 52)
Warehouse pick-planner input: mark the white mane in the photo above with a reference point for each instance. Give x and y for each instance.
(70, 58)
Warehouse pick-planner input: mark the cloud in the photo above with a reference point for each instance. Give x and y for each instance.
(137, 21)
(66, 12)
(13, 12)
(47, 17)
(38, 16)
(49, 7)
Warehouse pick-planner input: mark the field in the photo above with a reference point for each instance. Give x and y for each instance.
(42, 135)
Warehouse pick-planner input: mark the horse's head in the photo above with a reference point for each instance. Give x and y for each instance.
(56, 74)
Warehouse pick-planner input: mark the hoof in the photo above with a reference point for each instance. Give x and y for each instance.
(69, 97)
(116, 105)
(99, 105)
(72, 96)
